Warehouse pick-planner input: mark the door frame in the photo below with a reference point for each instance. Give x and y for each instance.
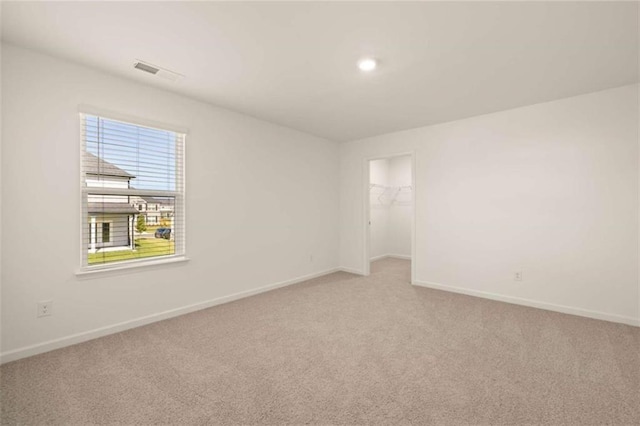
(367, 216)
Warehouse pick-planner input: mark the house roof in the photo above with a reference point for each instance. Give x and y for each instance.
(156, 200)
(113, 208)
(99, 167)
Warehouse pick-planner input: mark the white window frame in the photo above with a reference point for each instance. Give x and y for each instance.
(179, 196)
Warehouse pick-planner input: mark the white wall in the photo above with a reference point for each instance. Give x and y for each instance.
(638, 141)
(260, 200)
(1, 321)
(549, 189)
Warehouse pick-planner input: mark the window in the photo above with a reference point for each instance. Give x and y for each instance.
(106, 232)
(124, 166)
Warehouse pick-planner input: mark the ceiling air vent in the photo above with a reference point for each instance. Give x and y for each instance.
(146, 68)
(155, 70)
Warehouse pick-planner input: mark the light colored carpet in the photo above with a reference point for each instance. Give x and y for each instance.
(340, 349)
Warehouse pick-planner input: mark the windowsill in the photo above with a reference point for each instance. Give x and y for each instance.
(133, 266)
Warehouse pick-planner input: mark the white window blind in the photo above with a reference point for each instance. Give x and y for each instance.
(132, 192)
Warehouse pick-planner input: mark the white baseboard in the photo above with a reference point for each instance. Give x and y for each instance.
(533, 303)
(394, 256)
(382, 256)
(400, 256)
(116, 328)
(350, 270)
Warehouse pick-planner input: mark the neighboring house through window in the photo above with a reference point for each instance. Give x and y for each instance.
(130, 170)
(104, 210)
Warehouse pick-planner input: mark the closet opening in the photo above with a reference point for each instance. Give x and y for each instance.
(390, 216)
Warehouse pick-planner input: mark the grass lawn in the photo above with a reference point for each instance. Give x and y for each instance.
(145, 247)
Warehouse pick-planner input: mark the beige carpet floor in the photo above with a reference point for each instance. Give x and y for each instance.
(340, 349)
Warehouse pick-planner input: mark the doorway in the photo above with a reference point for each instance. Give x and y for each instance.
(390, 210)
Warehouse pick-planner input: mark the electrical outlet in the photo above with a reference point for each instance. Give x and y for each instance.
(517, 276)
(45, 308)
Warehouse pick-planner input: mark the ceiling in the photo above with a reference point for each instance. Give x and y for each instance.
(295, 63)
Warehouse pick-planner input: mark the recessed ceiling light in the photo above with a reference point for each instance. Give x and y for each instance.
(367, 64)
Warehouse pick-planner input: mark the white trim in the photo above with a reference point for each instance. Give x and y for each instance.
(400, 256)
(366, 214)
(130, 119)
(126, 325)
(366, 267)
(351, 270)
(394, 256)
(533, 303)
(382, 256)
(179, 196)
(127, 265)
(414, 214)
(83, 200)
